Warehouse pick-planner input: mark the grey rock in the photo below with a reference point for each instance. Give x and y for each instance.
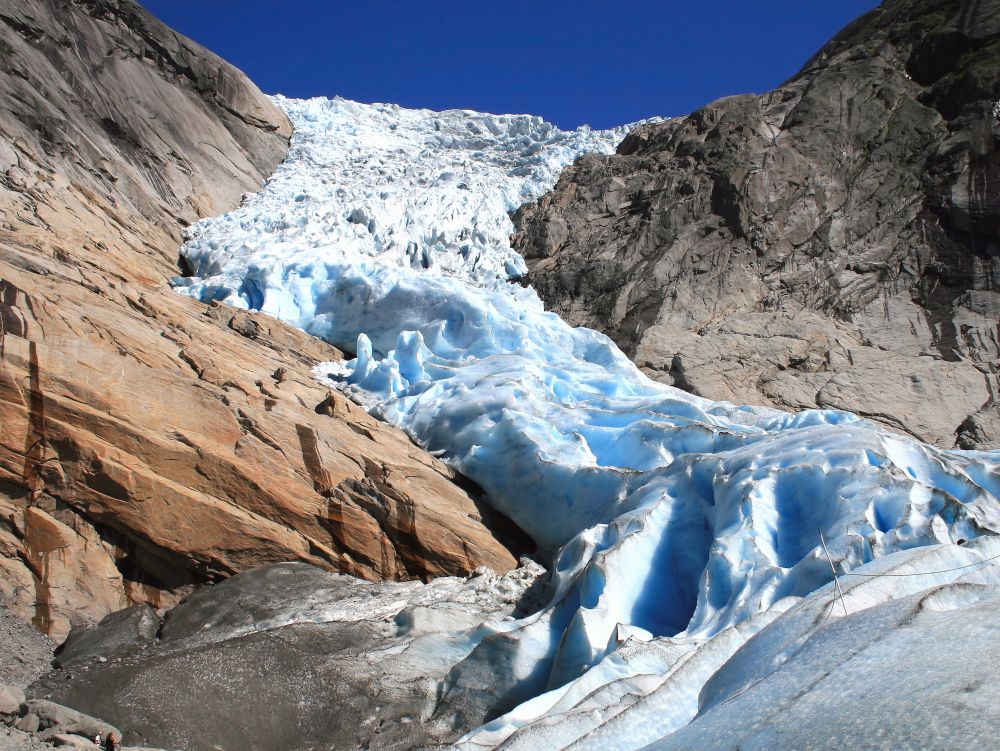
(55, 719)
(981, 428)
(12, 739)
(28, 723)
(11, 698)
(72, 741)
(24, 653)
(117, 635)
(149, 115)
(832, 243)
(258, 600)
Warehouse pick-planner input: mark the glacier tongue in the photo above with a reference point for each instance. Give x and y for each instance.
(666, 516)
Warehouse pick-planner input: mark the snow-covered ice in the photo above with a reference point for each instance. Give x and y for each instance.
(676, 527)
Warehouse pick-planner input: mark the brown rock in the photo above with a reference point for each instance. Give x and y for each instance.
(76, 573)
(149, 443)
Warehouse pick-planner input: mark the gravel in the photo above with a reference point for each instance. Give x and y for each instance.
(25, 654)
(15, 740)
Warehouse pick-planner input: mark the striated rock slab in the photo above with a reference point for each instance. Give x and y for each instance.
(832, 243)
(149, 443)
(116, 132)
(150, 479)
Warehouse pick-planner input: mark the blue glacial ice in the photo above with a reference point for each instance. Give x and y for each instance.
(676, 527)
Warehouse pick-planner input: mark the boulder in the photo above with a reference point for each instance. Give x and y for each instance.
(118, 635)
(11, 699)
(72, 741)
(28, 723)
(55, 719)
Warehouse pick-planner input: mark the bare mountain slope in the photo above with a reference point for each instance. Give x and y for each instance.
(147, 442)
(832, 243)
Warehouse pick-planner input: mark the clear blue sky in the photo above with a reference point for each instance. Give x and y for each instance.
(571, 61)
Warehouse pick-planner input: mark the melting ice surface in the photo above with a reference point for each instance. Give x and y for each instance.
(671, 522)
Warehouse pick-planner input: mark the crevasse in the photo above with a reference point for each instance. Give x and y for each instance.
(663, 515)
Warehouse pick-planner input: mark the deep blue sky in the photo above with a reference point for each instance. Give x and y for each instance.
(571, 61)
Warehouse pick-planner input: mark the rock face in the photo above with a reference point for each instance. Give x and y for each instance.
(292, 656)
(832, 243)
(149, 443)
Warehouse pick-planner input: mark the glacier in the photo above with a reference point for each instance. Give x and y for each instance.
(678, 530)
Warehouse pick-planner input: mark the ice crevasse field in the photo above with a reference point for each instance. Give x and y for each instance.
(676, 528)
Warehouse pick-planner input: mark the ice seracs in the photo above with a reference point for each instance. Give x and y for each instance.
(422, 189)
(676, 527)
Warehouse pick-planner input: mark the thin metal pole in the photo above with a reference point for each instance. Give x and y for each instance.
(836, 579)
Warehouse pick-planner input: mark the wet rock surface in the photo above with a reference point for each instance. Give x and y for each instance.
(292, 657)
(832, 243)
(149, 443)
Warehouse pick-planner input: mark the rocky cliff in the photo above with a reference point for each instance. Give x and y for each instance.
(833, 243)
(149, 443)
